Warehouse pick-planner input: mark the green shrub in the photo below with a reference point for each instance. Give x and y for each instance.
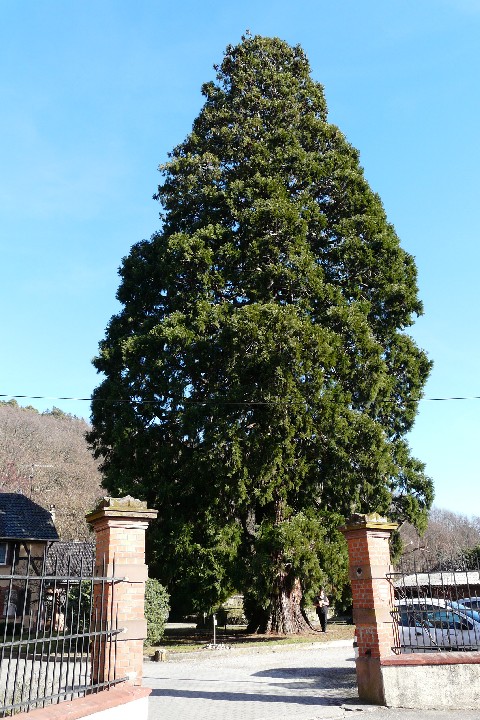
(79, 602)
(157, 607)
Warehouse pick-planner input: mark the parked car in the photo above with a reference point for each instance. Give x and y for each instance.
(435, 603)
(466, 610)
(422, 603)
(420, 606)
(470, 602)
(422, 630)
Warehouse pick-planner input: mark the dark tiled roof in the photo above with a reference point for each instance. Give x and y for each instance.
(71, 558)
(23, 519)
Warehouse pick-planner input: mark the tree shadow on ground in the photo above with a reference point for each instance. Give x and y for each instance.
(313, 677)
(326, 686)
(254, 697)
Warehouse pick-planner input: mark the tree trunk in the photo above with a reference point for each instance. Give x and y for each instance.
(285, 613)
(286, 616)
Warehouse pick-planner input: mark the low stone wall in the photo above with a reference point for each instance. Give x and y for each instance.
(119, 703)
(434, 681)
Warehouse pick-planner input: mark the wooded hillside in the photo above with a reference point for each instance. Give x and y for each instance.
(448, 542)
(45, 456)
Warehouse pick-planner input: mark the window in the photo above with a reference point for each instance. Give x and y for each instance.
(10, 603)
(414, 619)
(450, 621)
(3, 553)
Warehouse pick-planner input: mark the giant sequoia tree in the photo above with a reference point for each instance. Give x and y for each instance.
(258, 380)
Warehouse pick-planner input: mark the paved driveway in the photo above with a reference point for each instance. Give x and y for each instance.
(299, 683)
(303, 682)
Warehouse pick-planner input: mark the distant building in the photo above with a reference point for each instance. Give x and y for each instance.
(27, 531)
(444, 584)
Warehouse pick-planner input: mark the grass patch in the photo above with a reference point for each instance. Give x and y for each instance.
(193, 639)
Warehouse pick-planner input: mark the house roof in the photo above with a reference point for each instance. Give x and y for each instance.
(23, 519)
(73, 559)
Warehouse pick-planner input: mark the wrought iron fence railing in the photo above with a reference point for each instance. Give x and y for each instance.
(58, 630)
(436, 611)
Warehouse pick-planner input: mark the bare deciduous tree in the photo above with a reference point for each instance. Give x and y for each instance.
(45, 456)
(443, 545)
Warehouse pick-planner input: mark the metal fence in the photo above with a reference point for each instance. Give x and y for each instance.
(58, 629)
(436, 611)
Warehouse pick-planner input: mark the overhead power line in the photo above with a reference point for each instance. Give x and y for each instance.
(199, 402)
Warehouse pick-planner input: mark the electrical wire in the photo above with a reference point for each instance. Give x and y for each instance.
(199, 402)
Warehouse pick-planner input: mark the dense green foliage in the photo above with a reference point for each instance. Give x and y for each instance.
(470, 559)
(79, 604)
(258, 379)
(157, 607)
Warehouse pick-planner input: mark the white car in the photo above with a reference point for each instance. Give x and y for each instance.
(425, 603)
(428, 603)
(427, 630)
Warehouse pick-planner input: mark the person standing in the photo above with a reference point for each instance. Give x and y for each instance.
(322, 604)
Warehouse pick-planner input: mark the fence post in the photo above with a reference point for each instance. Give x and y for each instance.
(369, 559)
(120, 525)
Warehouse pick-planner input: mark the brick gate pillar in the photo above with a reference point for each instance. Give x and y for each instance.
(120, 525)
(369, 559)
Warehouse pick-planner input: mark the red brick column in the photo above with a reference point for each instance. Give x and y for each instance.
(120, 525)
(369, 559)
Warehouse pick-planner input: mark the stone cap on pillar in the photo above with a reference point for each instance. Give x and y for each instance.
(368, 521)
(125, 507)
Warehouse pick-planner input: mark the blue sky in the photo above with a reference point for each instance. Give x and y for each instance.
(93, 95)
